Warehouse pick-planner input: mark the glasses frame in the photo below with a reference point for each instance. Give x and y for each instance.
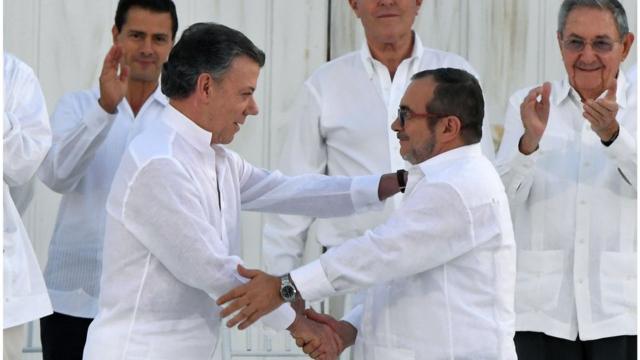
(582, 47)
(405, 113)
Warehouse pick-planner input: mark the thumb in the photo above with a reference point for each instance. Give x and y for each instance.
(248, 273)
(611, 90)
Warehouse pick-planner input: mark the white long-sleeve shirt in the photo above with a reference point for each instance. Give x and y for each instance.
(87, 146)
(341, 125)
(173, 238)
(574, 207)
(25, 142)
(440, 270)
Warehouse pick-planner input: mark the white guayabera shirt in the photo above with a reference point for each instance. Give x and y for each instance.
(172, 240)
(574, 206)
(341, 125)
(26, 137)
(440, 270)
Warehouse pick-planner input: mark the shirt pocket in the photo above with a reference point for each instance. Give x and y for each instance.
(389, 353)
(618, 282)
(539, 279)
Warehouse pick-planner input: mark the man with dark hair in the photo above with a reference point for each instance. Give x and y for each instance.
(91, 129)
(440, 271)
(568, 160)
(172, 240)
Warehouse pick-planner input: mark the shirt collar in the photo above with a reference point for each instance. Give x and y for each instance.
(368, 60)
(435, 164)
(565, 91)
(189, 130)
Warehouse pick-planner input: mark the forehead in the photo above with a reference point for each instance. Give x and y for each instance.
(243, 72)
(419, 93)
(590, 22)
(145, 20)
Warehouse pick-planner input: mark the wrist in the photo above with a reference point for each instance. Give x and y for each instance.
(608, 136)
(347, 333)
(528, 144)
(111, 109)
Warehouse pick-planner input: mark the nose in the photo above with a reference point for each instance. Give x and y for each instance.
(395, 125)
(587, 53)
(253, 109)
(147, 46)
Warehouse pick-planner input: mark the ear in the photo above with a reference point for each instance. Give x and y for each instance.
(626, 43)
(451, 128)
(418, 4)
(204, 87)
(115, 33)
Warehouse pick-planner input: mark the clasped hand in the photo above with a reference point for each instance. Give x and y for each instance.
(260, 296)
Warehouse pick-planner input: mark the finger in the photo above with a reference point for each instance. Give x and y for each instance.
(255, 316)
(595, 123)
(237, 305)
(595, 109)
(595, 114)
(124, 73)
(299, 342)
(248, 273)
(311, 347)
(545, 93)
(612, 87)
(610, 106)
(241, 316)
(232, 294)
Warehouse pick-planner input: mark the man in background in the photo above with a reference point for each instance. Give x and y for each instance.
(569, 163)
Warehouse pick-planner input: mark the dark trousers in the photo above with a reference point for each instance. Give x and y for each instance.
(538, 346)
(63, 336)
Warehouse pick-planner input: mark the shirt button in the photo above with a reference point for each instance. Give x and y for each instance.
(581, 241)
(580, 281)
(586, 164)
(583, 202)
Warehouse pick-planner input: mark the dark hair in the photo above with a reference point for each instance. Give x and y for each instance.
(204, 48)
(457, 93)
(158, 6)
(613, 6)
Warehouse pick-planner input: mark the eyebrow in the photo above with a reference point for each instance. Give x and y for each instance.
(598, 37)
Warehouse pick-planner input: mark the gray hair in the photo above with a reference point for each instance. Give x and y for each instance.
(614, 6)
(204, 48)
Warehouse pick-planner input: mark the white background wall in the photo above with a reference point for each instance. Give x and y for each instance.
(511, 43)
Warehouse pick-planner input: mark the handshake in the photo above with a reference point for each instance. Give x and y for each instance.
(321, 336)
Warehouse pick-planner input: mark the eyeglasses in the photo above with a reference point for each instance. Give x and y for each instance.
(404, 114)
(601, 46)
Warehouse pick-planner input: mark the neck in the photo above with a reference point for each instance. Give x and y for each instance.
(391, 53)
(138, 92)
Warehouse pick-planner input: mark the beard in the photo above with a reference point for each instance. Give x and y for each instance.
(422, 153)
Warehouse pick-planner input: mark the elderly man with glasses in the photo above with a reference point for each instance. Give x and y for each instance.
(568, 161)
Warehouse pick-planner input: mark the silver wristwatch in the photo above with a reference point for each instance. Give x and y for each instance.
(287, 289)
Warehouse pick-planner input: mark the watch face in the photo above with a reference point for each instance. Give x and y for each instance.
(287, 292)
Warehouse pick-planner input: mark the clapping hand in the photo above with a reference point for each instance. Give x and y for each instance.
(113, 84)
(601, 113)
(535, 115)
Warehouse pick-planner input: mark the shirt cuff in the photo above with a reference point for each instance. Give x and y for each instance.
(311, 281)
(364, 193)
(281, 318)
(622, 147)
(354, 317)
(97, 118)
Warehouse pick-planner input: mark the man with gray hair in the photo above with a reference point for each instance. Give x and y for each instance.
(568, 161)
(172, 240)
